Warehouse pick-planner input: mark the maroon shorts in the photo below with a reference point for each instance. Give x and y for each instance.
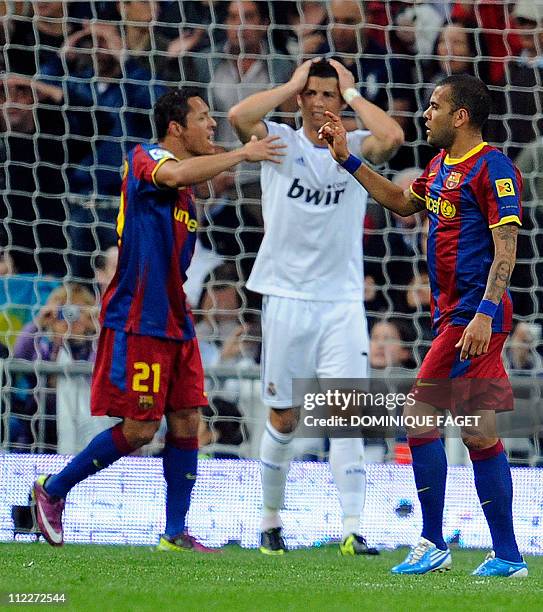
(143, 377)
(464, 386)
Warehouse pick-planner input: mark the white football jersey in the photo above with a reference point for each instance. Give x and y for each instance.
(313, 213)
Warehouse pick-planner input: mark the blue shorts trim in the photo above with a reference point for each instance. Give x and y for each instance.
(117, 374)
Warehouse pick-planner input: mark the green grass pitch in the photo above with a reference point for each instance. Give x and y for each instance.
(118, 578)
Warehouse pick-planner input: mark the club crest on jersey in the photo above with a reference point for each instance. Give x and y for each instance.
(157, 154)
(270, 389)
(453, 180)
(146, 402)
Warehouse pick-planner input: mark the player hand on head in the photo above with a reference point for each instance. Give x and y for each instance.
(300, 75)
(335, 135)
(345, 76)
(476, 337)
(267, 149)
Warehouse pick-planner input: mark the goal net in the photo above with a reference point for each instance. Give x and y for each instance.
(78, 85)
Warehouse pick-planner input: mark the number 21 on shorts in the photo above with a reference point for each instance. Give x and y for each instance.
(143, 372)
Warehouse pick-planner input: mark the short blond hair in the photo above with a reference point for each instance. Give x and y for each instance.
(70, 293)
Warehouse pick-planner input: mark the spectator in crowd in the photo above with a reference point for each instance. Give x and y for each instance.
(526, 286)
(7, 266)
(456, 48)
(21, 295)
(4, 31)
(203, 262)
(418, 306)
(460, 51)
(379, 17)
(224, 340)
(75, 425)
(395, 250)
(493, 20)
(372, 68)
(103, 79)
(390, 343)
(302, 26)
(74, 327)
(418, 28)
(244, 70)
(105, 268)
(145, 43)
(109, 101)
(190, 27)
(382, 79)
(418, 292)
(64, 327)
(524, 78)
(521, 352)
(32, 179)
(221, 333)
(34, 39)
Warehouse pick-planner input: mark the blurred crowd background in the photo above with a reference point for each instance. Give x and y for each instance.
(78, 82)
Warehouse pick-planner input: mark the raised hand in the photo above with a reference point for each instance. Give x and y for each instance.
(300, 75)
(345, 76)
(267, 149)
(334, 134)
(186, 42)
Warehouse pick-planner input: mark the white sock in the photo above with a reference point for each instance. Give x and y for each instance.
(274, 466)
(347, 465)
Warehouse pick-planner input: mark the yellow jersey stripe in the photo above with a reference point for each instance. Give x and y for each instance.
(456, 160)
(120, 217)
(159, 165)
(416, 194)
(509, 219)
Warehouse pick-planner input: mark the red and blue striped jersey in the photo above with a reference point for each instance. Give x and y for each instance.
(466, 198)
(157, 233)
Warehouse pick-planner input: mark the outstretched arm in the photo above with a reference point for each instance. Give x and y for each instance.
(383, 191)
(476, 336)
(174, 174)
(246, 116)
(386, 134)
(41, 91)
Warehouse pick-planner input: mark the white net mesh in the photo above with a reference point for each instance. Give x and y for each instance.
(79, 83)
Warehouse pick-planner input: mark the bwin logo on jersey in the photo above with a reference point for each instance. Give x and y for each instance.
(316, 197)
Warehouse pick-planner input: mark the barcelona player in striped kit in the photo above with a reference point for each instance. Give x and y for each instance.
(148, 363)
(472, 194)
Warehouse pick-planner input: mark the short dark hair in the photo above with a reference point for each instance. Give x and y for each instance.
(262, 8)
(173, 106)
(471, 93)
(322, 69)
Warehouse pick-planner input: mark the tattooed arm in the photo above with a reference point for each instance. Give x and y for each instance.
(505, 253)
(476, 336)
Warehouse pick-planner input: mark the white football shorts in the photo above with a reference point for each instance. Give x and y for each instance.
(310, 339)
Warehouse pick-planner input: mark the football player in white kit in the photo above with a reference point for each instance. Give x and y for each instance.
(309, 270)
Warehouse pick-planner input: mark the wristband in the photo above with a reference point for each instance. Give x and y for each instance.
(351, 164)
(487, 308)
(350, 94)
